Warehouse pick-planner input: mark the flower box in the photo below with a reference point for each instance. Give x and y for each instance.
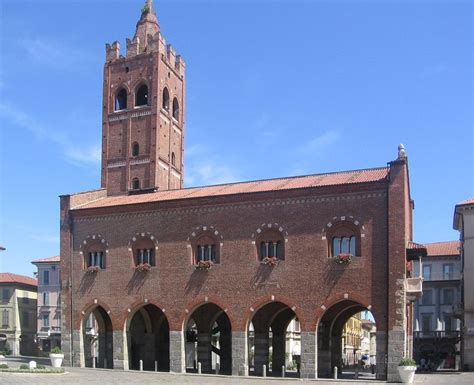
(93, 269)
(343, 258)
(143, 267)
(204, 265)
(270, 261)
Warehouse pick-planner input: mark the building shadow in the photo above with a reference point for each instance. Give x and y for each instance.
(262, 275)
(196, 282)
(87, 282)
(136, 282)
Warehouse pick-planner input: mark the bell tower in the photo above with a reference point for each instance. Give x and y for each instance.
(143, 112)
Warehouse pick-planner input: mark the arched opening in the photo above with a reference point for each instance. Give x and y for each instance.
(97, 337)
(143, 250)
(121, 100)
(175, 109)
(165, 103)
(272, 341)
(141, 96)
(344, 238)
(271, 245)
(208, 336)
(148, 339)
(347, 339)
(173, 159)
(135, 149)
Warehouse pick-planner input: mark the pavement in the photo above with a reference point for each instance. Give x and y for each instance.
(117, 377)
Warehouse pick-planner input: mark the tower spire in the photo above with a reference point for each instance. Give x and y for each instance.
(147, 25)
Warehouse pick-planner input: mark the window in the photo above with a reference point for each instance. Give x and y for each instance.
(448, 271)
(25, 300)
(448, 296)
(46, 277)
(270, 244)
(5, 318)
(448, 322)
(135, 149)
(173, 159)
(427, 298)
(344, 245)
(46, 320)
(135, 184)
(5, 295)
(95, 258)
(145, 256)
(45, 298)
(175, 109)
(121, 100)
(426, 322)
(206, 252)
(271, 249)
(141, 97)
(166, 99)
(427, 272)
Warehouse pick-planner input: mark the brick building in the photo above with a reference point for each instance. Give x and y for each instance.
(172, 273)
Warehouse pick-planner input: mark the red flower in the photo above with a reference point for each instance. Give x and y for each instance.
(143, 267)
(343, 258)
(270, 261)
(203, 265)
(93, 269)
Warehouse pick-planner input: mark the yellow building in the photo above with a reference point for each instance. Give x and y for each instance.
(18, 298)
(351, 340)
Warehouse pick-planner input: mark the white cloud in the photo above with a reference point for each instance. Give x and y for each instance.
(78, 154)
(55, 54)
(320, 142)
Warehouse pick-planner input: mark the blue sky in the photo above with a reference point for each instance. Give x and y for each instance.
(274, 88)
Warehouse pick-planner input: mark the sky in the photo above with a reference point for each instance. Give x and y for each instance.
(274, 88)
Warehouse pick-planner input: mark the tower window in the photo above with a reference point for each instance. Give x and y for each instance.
(136, 184)
(166, 99)
(173, 159)
(135, 149)
(141, 98)
(121, 100)
(175, 109)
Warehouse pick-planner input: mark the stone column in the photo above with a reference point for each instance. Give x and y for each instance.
(177, 352)
(395, 352)
(76, 352)
(381, 355)
(204, 352)
(278, 351)
(118, 356)
(239, 353)
(308, 367)
(261, 352)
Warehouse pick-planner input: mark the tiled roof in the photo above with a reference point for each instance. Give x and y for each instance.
(443, 248)
(16, 278)
(279, 184)
(56, 258)
(469, 201)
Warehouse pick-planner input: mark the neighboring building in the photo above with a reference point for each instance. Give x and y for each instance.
(437, 331)
(368, 340)
(49, 304)
(351, 340)
(18, 314)
(464, 222)
(136, 253)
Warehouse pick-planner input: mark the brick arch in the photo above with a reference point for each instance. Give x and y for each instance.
(192, 306)
(202, 230)
(139, 82)
(121, 85)
(136, 305)
(262, 301)
(93, 238)
(89, 307)
(268, 226)
(142, 235)
(336, 298)
(340, 220)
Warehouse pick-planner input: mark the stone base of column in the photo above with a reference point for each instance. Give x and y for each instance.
(308, 367)
(177, 352)
(119, 359)
(395, 352)
(381, 355)
(239, 354)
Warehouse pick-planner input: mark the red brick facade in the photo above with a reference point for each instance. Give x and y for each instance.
(306, 281)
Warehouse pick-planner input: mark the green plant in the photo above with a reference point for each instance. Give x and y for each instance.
(6, 349)
(3, 366)
(24, 367)
(56, 350)
(407, 362)
(39, 366)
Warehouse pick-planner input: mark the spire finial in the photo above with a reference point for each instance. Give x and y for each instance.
(148, 7)
(401, 152)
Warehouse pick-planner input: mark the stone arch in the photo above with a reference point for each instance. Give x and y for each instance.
(330, 326)
(267, 329)
(270, 240)
(146, 337)
(96, 337)
(208, 339)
